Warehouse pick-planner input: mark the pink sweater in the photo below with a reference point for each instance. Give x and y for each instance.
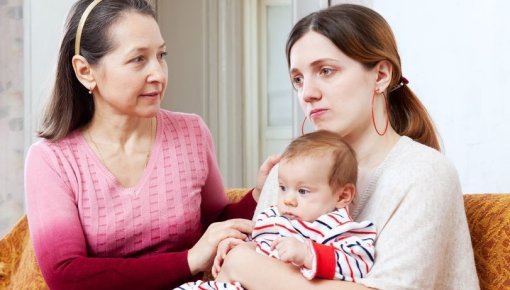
(90, 232)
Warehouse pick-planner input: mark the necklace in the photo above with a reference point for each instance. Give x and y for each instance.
(101, 154)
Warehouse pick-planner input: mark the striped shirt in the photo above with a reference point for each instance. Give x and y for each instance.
(342, 248)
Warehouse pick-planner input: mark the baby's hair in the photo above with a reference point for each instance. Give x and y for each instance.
(320, 143)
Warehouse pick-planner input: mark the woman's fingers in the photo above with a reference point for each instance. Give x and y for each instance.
(264, 170)
(201, 255)
(223, 248)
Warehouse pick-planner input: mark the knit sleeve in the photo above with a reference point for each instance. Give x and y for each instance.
(215, 205)
(59, 241)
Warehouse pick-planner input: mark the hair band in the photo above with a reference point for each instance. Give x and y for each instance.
(81, 24)
(403, 81)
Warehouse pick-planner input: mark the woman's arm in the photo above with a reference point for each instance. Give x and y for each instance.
(255, 271)
(60, 245)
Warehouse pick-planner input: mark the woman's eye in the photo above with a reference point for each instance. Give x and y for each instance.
(297, 81)
(326, 71)
(162, 54)
(138, 59)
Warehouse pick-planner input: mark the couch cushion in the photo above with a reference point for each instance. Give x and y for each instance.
(489, 223)
(18, 266)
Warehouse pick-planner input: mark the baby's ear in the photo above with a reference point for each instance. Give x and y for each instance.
(346, 195)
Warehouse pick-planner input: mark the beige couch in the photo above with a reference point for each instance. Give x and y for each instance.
(488, 217)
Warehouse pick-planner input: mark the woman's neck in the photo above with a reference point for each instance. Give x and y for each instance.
(372, 149)
(119, 130)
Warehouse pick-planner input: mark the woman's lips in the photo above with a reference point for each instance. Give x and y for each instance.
(151, 94)
(315, 113)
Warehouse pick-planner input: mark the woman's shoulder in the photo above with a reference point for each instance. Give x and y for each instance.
(180, 120)
(44, 152)
(178, 116)
(413, 158)
(45, 146)
(414, 169)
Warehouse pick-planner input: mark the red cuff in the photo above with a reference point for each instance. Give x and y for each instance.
(326, 262)
(244, 208)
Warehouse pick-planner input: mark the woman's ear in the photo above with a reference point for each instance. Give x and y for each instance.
(83, 72)
(345, 195)
(384, 70)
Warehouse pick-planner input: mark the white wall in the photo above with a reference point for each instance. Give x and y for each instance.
(44, 23)
(456, 56)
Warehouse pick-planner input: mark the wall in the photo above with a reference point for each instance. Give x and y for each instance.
(204, 44)
(31, 30)
(455, 54)
(11, 113)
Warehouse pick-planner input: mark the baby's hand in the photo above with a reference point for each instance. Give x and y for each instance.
(223, 248)
(293, 251)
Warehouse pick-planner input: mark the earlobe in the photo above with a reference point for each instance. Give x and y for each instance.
(384, 71)
(83, 72)
(346, 195)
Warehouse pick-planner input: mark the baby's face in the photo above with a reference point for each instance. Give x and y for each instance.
(304, 191)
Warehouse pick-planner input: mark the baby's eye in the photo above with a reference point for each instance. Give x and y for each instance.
(303, 191)
(282, 188)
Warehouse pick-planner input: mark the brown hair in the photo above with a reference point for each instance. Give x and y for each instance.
(363, 35)
(70, 105)
(319, 143)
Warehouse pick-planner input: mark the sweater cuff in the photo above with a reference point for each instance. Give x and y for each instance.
(244, 208)
(248, 205)
(324, 262)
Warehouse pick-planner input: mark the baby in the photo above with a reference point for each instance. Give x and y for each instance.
(310, 226)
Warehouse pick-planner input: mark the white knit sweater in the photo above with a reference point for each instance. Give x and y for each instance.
(415, 201)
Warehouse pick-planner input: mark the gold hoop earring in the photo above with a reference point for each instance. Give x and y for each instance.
(376, 92)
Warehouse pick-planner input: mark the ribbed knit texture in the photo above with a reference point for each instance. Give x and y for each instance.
(77, 209)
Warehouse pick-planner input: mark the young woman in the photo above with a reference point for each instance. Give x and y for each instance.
(344, 64)
(119, 192)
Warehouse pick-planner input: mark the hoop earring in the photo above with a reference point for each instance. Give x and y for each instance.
(387, 113)
(303, 126)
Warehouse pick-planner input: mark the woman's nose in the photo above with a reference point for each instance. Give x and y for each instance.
(310, 91)
(157, 72)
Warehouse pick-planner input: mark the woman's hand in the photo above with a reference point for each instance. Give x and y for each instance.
(264, 170)
(201, 256)
(223, 248)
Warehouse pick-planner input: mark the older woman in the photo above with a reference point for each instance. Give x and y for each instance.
(119, 191)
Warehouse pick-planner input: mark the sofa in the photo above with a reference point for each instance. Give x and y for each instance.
(488, 217)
